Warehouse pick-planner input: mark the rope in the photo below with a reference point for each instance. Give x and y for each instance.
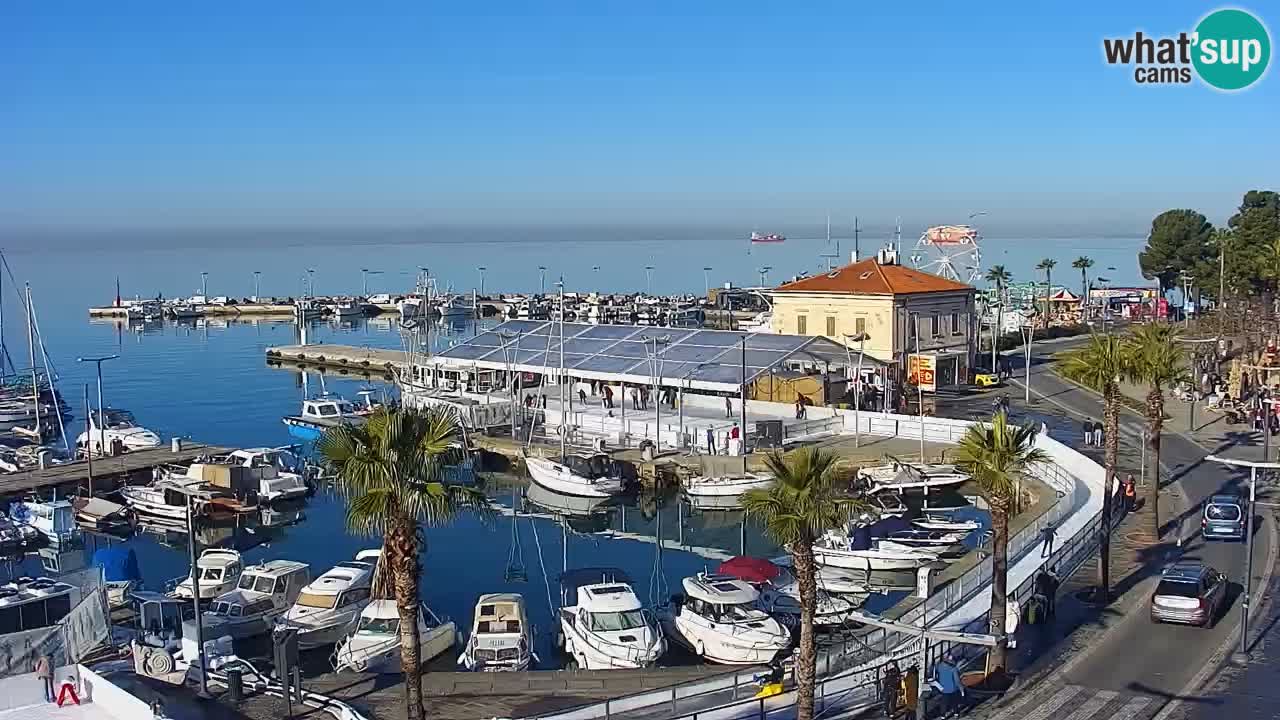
(658, 588)
(515, 557)
(546, 581)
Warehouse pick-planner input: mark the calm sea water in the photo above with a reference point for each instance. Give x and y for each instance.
(207, 380)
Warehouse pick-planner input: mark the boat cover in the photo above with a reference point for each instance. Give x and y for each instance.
(860, 539)
(888, 526)
(119, 564)
(750, 569)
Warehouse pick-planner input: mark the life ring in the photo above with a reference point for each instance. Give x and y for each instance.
(158, 662)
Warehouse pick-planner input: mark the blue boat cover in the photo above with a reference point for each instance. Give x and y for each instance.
(119, 564)
(887, 526)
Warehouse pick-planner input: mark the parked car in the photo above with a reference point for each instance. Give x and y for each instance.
(1224, 518)
(1189, 593)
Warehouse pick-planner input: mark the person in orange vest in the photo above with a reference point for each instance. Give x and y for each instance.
(1130, 494)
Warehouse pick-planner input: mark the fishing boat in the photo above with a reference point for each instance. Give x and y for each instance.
(54, 519)
(374, 646)
(321, 414)
(717, 618)
(769, 238)
(346, 308)
(780, 593)
(327, 609)
(120, 573)
(218, 569)
(455, 306)
(114, 428)
(579, 475)
(263, 594)
(603, 624)
(501, 637)
(726, 485)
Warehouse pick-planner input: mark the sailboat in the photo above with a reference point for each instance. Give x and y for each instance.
(580, 475)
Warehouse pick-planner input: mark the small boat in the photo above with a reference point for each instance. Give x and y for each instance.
(501, 637)
(169, 497)
(13, 535)
(780, 593)
(456, 306)
(857, 551)
(374, 646)
(346, 308)
(902, 533)
(945, 524)
(219, 571)
(54, 519)
(717, 618)
(901, 477)
(727, 485)
(327, 609)
(590, 476)
(769, 238)
(277, 471)
(320, 414)
(120, 572)
(116, 428)
(603, 624)
(103, 515)
(263, 594)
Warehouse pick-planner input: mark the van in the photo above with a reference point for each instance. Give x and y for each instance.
(1224, 518)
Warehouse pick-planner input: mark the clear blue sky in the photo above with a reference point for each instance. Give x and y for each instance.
(159, 114)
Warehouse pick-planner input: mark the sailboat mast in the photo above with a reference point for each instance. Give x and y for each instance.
(564, 418)
(828, 229)
(31, 341)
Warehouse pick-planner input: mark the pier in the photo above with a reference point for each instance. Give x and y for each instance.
(108, 472)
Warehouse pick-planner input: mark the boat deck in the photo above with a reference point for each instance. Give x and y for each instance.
(110, 470)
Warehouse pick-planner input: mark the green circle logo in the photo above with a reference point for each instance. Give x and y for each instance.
(1232, 49)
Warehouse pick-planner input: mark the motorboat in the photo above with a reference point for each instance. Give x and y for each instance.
(346, 308)
(263, 594)
(895, 532)
(277, 473)
(603, 624)
(833, 579)
(591, 476)
(780, 593)
(114, 428)
(327, 609)
(501, 637)
(170, 497)
(54, 519)
(14, 535)
(726, 485)
(946, 524)
(320, 415)
(374, 646)
(219, 571)
(102, 515)
(120, 573)
(858, 551)
(456, 306)
(903, 477)
(718, 619)
(413, 307)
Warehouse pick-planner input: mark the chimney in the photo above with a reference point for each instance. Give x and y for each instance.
(888, 255)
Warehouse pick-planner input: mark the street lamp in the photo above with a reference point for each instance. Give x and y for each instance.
(648, 279)
(101, 423)
(1028, 335)
(706, 280)
(311, 282)
(764, 274)
(257, 277)
(1241, 657)
(482, 269)
(364, 280)
(857, 382)
(542, 279)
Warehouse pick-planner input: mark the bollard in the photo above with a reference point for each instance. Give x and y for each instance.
(235, 685)
(175, 445)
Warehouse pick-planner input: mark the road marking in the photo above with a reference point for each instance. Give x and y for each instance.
(1093, 705)
(1046, 709)
(1132, 708)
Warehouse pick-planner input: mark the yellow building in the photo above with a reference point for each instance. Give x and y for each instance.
(883, 301)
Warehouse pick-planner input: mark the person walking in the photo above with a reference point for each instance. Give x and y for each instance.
(1098, 431)
(946, 680)
(635, 399)
(1130, 494)
(891, 686)
(1088, 432)
(608, 396)
(728, 406)
(711, 441)
(44, 671)
(582, 396)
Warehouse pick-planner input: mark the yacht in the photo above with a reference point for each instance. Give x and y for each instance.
(857, 551)
(112, 427)
(54, 519)
(321, 414)
(501, 637)
(603, 625)
(590, 476)
(278, 478)
(780, 593)
(168, 497)
(374, 646)
(945, 523)
(726, 486)
(717, 618)
(327, 609)
(263, 594)
(219, 571)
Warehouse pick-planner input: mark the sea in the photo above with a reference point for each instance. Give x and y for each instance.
(207, 380)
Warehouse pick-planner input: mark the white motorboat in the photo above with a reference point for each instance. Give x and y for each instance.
(717, 619)
(320, 414)
(54, 519)
(780, 592)
(902, 477)
(168, 497)
(278, 478)
(347, 308)
(413, 307)
(859, 552)
(263, 594)
(219, 570)
(895, 533)
(939, 522)
(603, 624)
(727, 485)
(590, 476)
(374, 646)
(501, 637)
(833, 579)
(889, 545)
(456, 306)
(327, 609)
(116, 428)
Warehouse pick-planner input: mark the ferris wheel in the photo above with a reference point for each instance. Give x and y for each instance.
(952, 251)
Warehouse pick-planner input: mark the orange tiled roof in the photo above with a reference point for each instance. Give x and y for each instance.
(868, 277)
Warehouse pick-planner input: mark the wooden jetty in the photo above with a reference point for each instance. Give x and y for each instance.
(108, 472)
(342, 358)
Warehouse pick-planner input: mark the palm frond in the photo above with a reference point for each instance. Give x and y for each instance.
(995, 454)
(805, 499)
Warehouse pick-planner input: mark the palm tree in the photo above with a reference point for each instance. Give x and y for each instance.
(1083, 263)
(389, 470)
(804, 502)
(1047, 265)
(1101, 365)
(1157, 361)
(996, 454)
(1000, 277)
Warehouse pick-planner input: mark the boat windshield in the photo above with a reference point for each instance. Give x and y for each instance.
(118, 419)
(610, 621)
(228, 609)
(258, 583)
(379, 626)
(316, 600)
(736, 613)
(211, 574)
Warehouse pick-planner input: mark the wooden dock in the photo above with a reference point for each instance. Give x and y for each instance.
(108, 472)
(345, 359)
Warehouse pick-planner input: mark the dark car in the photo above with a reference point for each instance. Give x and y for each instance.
(1224, 518)
(1189, 593)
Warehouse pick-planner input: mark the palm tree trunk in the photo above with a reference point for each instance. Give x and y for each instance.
(806, 655)
(1155, 422)
(402, 545)
(1111, 420)
(1084, 291)
(1048, 294)
(999, 657)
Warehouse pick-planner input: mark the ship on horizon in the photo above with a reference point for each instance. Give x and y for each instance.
(770, 238)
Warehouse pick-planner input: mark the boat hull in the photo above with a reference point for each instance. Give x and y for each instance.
(557, 478)
(725, 487)
(361, 654)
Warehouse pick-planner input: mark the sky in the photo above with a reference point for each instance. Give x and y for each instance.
(145, 114)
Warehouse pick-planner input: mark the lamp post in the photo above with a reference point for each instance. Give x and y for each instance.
(482, 269)
(101, 436)
(542, 279)
(764, 274)
(706, 280)
(1241, 657)
(595, 277)
(311, 282)
(364, 280)
(857, 383)
(1028, 335)
(915, 318)
(195, 599)
(648, 279)
(257, 278)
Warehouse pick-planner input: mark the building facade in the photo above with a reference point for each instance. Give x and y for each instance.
(885, 303)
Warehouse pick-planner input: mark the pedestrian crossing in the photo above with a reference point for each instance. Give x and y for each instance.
(1050, 701)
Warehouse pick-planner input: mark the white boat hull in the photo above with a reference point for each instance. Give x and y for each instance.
(722, 648)
(871, 560)
(558, 478)
(364, 654)
(239, 628)
(725, 486)
(592, 655)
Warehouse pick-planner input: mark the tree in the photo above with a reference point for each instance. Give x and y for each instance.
(996, 455)
(389, 470)
(1083, 263)
(1000, 277)
(804, 502)
(1155, 360)
(1101, 365)
(1178, 242)
(1047, 265)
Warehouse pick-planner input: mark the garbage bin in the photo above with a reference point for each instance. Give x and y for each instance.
(235, 685)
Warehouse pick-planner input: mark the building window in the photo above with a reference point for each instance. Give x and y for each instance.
(831, 326)
(802, 325)
(934, 330)
(955, 323)
(860, 326)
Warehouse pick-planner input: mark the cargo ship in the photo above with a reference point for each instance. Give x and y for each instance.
(770, 238)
